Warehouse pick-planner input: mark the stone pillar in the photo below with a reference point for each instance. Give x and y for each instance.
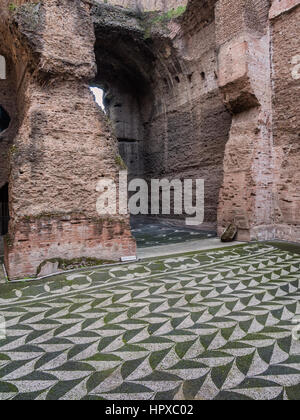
(63, 148)
(243, 40)
(285, 28)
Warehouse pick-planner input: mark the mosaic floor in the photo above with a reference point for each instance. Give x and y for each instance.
(214, 325)
(150, 232)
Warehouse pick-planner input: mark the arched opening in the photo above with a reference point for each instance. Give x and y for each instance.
(4, 210)
(123, 94)
(4, 119)
(166, 127)
(2, 68)
(99, 96)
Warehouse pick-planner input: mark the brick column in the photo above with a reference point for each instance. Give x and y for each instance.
(63, 147)
(243, 39)
(285, 27)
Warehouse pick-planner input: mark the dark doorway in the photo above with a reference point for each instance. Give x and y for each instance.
(4, 211)
(4, 119)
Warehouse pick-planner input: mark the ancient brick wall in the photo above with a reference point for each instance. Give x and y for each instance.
(229, 65)
(189, 129)
(147, 5)
(285, 26)
(170, 71)
(40, 244)
(246, 197)
(63, 147)
(9, 103)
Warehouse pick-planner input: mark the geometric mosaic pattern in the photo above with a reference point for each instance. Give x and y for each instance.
(214, 325)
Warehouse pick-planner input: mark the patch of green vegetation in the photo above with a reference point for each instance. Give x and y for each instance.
(120, 162)
(175, 13)
(170, 15)
(12, 7)
(8, 240)
(73, 264)
(151, 20)
(13, 150)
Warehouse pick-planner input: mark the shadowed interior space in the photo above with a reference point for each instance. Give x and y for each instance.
(4, 119)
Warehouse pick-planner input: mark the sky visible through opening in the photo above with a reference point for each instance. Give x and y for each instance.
(98, 94)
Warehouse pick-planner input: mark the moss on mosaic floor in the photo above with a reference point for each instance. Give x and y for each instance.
(214, 325)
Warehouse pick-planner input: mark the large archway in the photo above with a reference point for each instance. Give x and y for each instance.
(125, 64)
(163, 102)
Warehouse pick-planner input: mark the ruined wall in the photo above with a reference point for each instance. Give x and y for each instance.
(224, 81)
(285, 26)
(246, 197)
(9, 103)
(259, 77)
(147, 5)
(63, 147)
(190, 125)
(168, 69)
(9, 90)
(124, 65)
(124, 109)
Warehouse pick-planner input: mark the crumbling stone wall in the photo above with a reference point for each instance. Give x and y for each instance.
(244, 78)
(64, 144)
(190, 123)
(285, 28)
(167, 68)
(212, 114)
(147, 5)
(260, 188)
(9, 104)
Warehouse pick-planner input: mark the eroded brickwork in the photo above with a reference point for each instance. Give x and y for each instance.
(169, 71)
(285, 26)
(147, 5)
(246, 197)
(63, 146)
(38, 244)
(9, 104)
